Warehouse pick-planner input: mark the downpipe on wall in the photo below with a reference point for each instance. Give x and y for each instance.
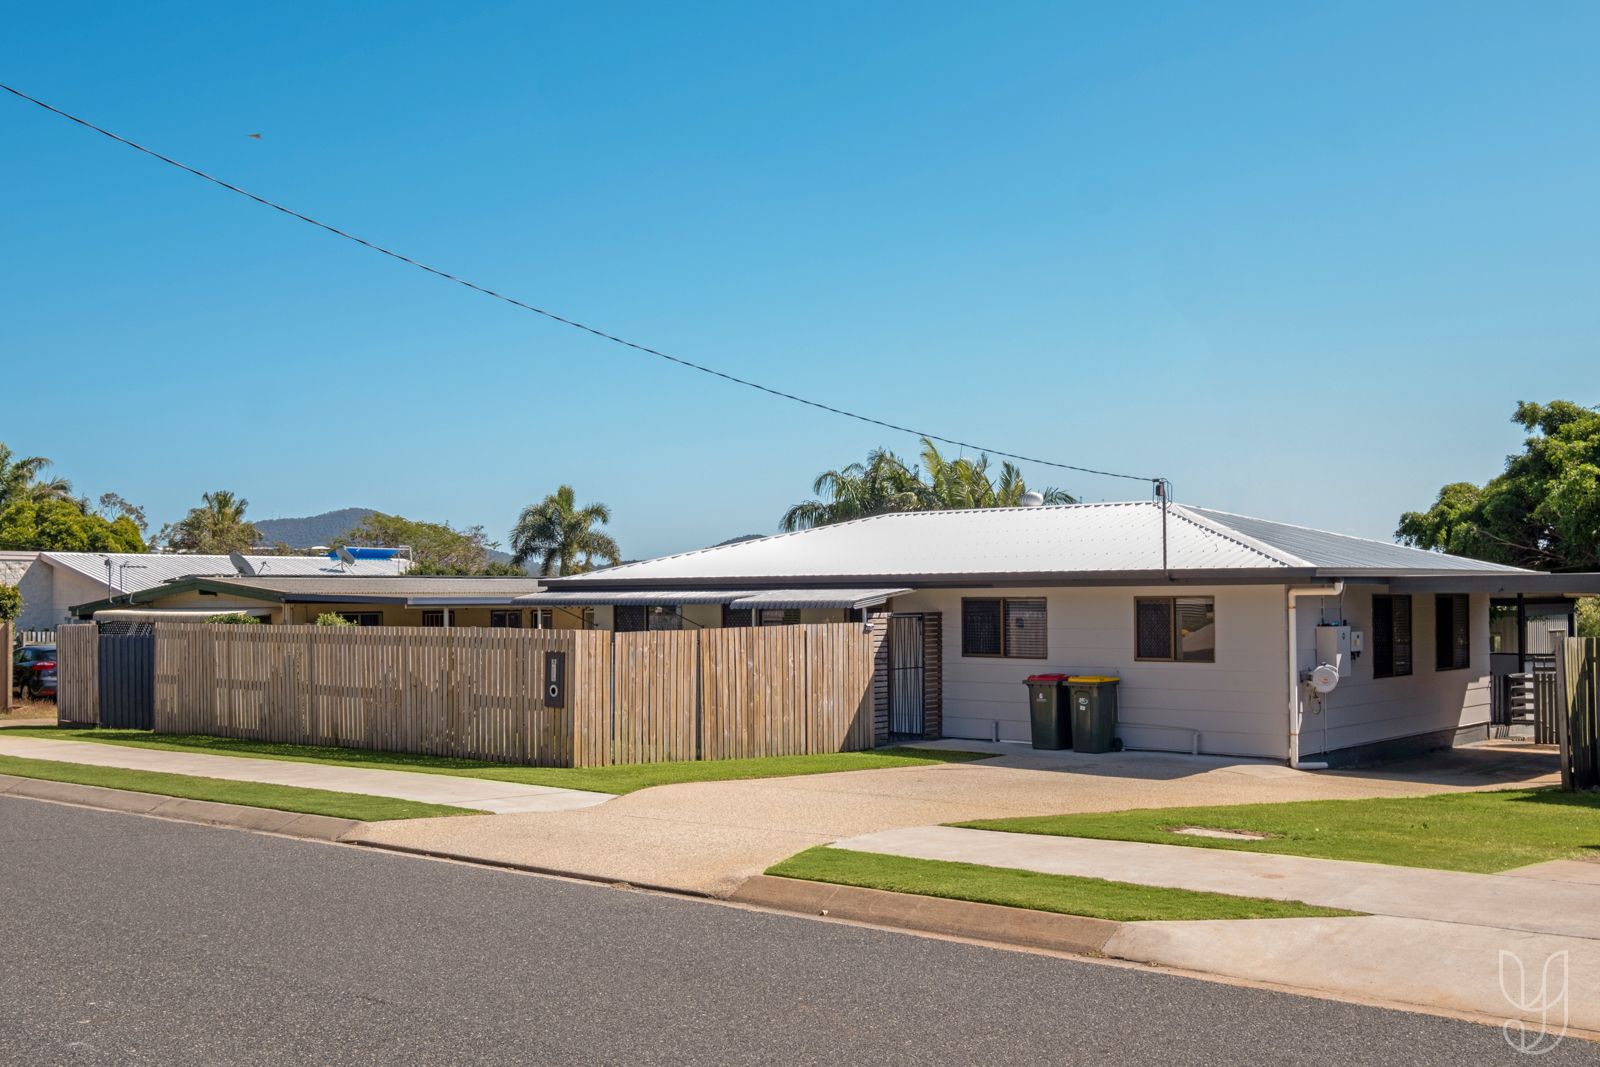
(1293, 594)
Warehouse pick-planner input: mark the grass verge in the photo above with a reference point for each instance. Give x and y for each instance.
(1066, 894)
(1480, 832)
(623, 779)
(251, 794)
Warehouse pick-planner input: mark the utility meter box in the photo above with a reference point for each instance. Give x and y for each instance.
(1333, 648)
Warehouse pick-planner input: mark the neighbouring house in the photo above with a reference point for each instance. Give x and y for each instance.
(400, 600)
(52, 582)
(1212, 621)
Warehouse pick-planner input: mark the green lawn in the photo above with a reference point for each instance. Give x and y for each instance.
(1067, 894)
(251, 794)
(624, 779)
(1483, 832)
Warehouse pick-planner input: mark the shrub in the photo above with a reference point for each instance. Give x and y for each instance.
(235, 618)
(10, 603)
(328, 618)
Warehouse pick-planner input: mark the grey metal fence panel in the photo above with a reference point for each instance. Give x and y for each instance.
(128, 679)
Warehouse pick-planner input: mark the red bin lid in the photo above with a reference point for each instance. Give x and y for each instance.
(1046, 678)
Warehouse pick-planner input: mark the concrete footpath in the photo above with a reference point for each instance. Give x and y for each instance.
(1474, 943)
(480, 794)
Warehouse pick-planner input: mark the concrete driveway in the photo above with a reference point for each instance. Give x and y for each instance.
(709, 837)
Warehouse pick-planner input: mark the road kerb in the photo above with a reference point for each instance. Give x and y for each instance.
(210, 813)
(1075, 934)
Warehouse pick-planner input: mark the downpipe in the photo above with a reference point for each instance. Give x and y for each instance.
(1292, 594)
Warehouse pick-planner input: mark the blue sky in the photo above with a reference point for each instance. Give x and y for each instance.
(1300, 259)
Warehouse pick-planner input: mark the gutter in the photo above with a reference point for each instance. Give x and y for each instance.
(1292, 594)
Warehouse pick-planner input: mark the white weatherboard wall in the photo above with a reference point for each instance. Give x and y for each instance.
(1238, 703)
(1364, 709)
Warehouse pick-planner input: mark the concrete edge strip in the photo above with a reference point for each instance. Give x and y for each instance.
(1074, 934)
(527, 868)
(181, 809)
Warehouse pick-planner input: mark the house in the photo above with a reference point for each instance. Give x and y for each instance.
(52, 582)
(398, 600)
(1212, 621)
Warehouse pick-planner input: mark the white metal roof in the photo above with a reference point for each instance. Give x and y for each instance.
(133, 572)
(735, 598)
(1077, 540)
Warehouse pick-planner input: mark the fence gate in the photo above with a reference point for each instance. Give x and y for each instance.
(905, 676)
(128, 676)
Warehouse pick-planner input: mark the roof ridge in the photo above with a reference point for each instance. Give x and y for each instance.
(1278, 555)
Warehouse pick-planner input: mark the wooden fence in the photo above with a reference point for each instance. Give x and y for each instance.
(78, 673)
(1578, 721)
(478, 693)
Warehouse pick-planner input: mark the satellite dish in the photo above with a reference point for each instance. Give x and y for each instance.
(241, 564)
(345, 555)
(1325, 678)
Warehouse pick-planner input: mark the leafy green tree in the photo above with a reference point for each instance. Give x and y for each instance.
(234, 618)
(10, 605)
(1589, 617)
(333, 618)
(885, 483)
(437, 548)
(56, 525)
(217, 526)
(113, 505)
(562, 535)
(1543, 511)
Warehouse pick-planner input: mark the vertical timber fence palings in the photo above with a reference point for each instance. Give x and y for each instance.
(78, 673)
(479, 694)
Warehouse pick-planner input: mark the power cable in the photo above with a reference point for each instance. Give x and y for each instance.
(447, 276)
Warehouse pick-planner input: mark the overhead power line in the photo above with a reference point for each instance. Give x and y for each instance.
(447, 276)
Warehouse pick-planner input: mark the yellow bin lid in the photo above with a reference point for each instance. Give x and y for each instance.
(1088, 678)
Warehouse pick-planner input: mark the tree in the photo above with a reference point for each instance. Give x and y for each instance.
(10, 607)
(1589, 617)
(19, 480)
(234, 618)
(113, 505)
(1543, 511)
(884, 483)
(217, 526)
(62, 526)
(559, 532)
(436, 547)
(333, 618)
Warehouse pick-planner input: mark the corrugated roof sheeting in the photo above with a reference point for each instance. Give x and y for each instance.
(145, 570)
(349, 587)
(1089, 538)
(578, 598)
(816, 598)
(1322, 548)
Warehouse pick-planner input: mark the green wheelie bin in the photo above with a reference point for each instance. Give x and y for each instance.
(1047, 711)
(1092, 699)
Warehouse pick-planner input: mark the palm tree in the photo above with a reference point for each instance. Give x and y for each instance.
(884, 484)
(217, 526)
(19, 480)
(558, 532)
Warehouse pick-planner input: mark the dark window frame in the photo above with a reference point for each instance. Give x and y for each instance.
(1452, 631)
(1003, 627)
(1174, 638)
(509, 619)
(432, 614)
(1384, 636)
(360, 618)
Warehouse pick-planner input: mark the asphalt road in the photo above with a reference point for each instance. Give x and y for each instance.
(126, 940)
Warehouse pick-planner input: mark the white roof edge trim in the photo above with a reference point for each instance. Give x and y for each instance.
(1279, 555)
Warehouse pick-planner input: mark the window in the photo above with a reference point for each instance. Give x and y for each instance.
(436, 618)
(1452, 640)
(363, 618)
(542, 618)
(1004, 627)
(1391, 636)
(735, 617)
(629, 618)
(1178, 628)
(505, 620)
(779, 616)
(665, 617)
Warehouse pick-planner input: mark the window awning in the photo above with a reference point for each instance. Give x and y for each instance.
(174, 614)
(734, 598)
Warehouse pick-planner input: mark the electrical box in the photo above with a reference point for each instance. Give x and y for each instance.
(1358, 643)
(1333, 648)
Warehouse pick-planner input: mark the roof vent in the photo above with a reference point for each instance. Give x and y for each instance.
(1030, 499)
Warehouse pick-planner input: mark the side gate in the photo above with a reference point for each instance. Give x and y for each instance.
(128, 676)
